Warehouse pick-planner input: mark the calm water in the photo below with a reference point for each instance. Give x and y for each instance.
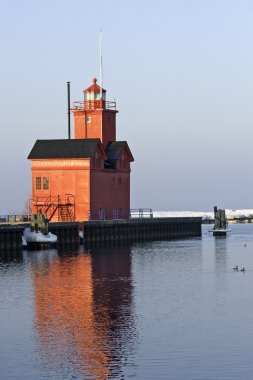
(162, 310)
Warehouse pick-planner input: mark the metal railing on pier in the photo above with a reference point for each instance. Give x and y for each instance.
(115, 214)
(14, 218)
(100, 214)
(141, 213)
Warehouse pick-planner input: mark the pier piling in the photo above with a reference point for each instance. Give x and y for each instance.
(108, 231)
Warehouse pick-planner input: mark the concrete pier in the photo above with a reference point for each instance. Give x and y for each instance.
(66, 232)
(11, 237)
(140, 229)
(107, 231)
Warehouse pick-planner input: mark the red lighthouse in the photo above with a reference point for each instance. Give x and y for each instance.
(88, 176)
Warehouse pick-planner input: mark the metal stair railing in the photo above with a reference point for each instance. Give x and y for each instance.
(46, 206)
(49, 205)
(54, 206)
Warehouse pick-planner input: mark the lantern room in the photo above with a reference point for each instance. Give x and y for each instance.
(94, 92)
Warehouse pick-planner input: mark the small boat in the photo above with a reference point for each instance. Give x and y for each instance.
(220, 224)
(37, 238)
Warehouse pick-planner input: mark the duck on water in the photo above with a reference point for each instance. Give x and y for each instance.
(237, 269)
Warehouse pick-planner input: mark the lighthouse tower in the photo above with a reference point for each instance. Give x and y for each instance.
(95, 117)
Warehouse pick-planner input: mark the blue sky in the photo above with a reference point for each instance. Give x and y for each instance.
(182, 76)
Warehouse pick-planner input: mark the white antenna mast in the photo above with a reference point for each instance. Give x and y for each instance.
(101, 65)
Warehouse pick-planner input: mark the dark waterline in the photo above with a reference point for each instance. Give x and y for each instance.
(162, 310)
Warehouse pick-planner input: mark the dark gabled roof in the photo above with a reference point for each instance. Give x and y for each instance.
(115, 148)
(75, 148)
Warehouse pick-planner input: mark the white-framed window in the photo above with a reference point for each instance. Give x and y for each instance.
(45, 183)
(38, 183)
(96, 160)
(122, 162)
(89, 96)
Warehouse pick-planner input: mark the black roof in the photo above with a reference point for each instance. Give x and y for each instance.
(114, 149)
(71, 148)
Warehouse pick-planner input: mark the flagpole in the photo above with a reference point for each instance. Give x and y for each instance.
(101, 65)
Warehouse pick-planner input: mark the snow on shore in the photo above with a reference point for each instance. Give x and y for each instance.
(204, 214)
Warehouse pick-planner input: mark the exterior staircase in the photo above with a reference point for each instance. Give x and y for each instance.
(51, 205)
(66, 213)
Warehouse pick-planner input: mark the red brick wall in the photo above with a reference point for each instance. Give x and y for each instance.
(109, 190)
(64, 178)
(102, 125)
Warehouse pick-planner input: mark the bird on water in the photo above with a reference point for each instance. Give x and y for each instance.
(243, 269)
(236, 267)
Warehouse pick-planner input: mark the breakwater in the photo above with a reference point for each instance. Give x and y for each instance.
(107, 231)
(140, 229)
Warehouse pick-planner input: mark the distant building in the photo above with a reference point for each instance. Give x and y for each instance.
(87, 177)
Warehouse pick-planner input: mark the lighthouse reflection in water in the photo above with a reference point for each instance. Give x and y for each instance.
(152, 310)
(84, 318)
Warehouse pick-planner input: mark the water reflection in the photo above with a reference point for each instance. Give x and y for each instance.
(220, 245)
(84, 316)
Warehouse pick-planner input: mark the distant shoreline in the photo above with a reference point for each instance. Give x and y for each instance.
(230, 221)
(233, 216)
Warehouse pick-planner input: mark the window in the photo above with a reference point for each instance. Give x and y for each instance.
(45, 183)
(122, 162)
(89, 96)
(38, 183)
(96, 161)
(88, 119)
